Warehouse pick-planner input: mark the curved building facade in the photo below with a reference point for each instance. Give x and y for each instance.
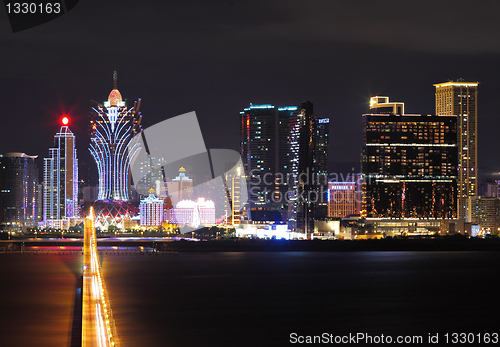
(112, 127)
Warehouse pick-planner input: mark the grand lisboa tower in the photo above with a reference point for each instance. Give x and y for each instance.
(112, 127)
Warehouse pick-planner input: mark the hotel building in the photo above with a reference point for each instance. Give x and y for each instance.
(409, 165)
(460, 99)
(112, 127)
(151, 210)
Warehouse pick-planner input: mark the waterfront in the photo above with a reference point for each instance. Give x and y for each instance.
(254, 298)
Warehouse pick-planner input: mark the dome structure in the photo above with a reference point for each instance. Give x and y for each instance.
(115, 98)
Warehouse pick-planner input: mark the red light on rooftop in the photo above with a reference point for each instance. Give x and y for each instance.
(65, 120)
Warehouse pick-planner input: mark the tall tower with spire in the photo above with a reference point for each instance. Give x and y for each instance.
(112, 127)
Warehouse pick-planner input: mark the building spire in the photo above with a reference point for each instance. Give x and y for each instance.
(115, 78)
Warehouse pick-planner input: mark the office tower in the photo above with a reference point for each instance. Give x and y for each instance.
(460, 99)
(486, 213)
(409, 164)
(320, 164)
(181, 187)
(257, 148)
(112, 127)
(288, 160)
(151, 210)
(18, 191)
(60, 180)
(342, 199)
(303, 164)
(308, 195)
(299, 150)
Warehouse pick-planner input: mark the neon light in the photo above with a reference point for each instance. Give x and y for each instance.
(324, 120)
(287, 108)
(258, 107)
(112, 129)
(411, 144)
(457, 84)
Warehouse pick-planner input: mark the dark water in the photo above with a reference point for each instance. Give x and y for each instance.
(37, 297)
(254, 299)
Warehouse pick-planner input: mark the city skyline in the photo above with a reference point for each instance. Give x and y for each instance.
(297, 172)
(337, 64)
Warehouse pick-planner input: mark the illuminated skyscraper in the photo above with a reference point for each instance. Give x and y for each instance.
(112, 127)
(409, 165)
(304, 159)
(460, 99)
(258, 146)
(18, 191)
(60, 179)
(298, 148)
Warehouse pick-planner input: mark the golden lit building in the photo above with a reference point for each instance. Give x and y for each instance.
(460, 99)
(409, 163)
(342, 199)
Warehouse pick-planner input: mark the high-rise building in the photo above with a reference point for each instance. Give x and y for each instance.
(258, 152)
(299, 150)
(288, 160)
(312, 168)
(60, 179)
(460, 99)
(18, 191)
(409, 163)
(320, 164)
(112, 127)
(151, 210)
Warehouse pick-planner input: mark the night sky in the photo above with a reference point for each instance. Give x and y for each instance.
(216, 57)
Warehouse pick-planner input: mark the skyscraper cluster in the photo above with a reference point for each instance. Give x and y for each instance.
(421, 170)
(295, 141)
(419, 173)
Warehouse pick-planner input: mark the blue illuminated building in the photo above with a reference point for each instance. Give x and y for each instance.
(112, 127)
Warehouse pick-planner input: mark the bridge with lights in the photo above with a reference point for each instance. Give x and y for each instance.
(98, 327)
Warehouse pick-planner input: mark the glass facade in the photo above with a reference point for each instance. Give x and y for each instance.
(18, 191)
